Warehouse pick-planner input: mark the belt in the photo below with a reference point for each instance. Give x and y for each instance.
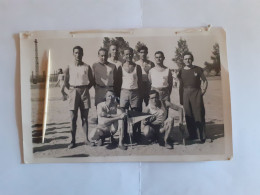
(160, 88)
(190, 87)
(79, 86)
(104, 86)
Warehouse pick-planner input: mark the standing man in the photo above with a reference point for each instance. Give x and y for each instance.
(146, 65)
(114, 55)
(104, 76)
(60, 82)
(78, 79)
(191, 96)
(130, 81)
(161, 80)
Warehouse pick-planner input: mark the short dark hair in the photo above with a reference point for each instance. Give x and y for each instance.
(143, 47)
(60, 70)
(129, 49)
(111, 91)
(159, 52)
(188, 53)
(154, 92)
(79, 48)
(103, 49)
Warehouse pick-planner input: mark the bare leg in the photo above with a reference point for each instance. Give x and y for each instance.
(84, 118)
(73, 117)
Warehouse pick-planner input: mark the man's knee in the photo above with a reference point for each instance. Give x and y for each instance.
(147, 131)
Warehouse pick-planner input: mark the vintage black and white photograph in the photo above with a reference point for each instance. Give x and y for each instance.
(137, 95)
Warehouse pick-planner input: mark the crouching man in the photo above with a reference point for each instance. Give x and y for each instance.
(157, 127)
(110, 120)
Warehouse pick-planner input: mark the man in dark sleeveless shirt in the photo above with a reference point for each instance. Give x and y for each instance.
(191, 97)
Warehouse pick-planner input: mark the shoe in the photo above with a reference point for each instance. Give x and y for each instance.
(100, 142)
(122, 147)
(169, 146)
(88, 143)
(112, 140)
(72, 145)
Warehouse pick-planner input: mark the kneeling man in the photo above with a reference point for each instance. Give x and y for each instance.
(158, 125)
(110, 119)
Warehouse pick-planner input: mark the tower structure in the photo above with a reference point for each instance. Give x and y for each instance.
(36, 76)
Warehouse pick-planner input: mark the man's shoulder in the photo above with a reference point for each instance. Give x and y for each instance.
(101, 105)
(85, 65)
(112, 65)
(150, 62)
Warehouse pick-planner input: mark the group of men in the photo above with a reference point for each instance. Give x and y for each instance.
(140, 86)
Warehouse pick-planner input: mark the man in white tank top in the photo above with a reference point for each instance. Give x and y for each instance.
(104, 76)
(130, 81)
(113, 56)
(146, 65)
(78, 79)
(161, 80)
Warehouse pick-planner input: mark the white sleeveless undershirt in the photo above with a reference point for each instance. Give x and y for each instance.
(159, 79)
(129, 79)
(78, 75)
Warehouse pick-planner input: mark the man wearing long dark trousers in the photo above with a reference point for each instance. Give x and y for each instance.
(191, 93)
(78, 79)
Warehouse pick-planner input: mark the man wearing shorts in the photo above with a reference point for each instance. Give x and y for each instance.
(78, 79)
(130, 81)
(104, 76)
(146, 65)
(157, 126)
(161, 81)
(191, 96)
(110, 119)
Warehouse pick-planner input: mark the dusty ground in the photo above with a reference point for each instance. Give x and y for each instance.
(58, 129)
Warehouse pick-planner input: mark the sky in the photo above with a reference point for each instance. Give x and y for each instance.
(61, 49)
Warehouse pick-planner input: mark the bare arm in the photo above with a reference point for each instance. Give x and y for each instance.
(170, 81)
(204, 84)
(66, 79)
(91, 78)
(108, 119)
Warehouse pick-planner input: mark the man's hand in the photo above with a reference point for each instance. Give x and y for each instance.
(152, 118)
(203, 91)
(123, 116)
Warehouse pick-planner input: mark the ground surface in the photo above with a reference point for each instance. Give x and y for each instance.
(58, 129)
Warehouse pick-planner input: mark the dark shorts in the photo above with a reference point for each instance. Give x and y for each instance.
(130, 97)
(79, 98)
(100, 94)
(164, 93)
(146, 88)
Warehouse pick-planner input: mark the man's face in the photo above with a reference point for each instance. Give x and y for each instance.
(153, 99)
(113, 50)
(78, 55)
(110, 97)
(159, 58)
(143, 54)
(187, 60)
(102, 56)
(128, 55)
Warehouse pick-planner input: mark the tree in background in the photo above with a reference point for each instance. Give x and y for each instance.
(215, 65)
(180, 50)
(119, 42)
(136, 54)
